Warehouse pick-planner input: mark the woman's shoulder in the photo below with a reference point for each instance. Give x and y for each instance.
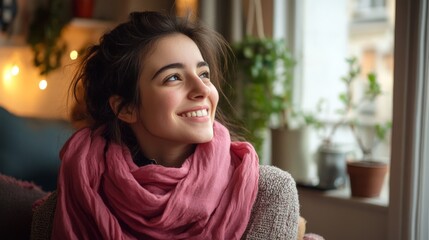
(273, 180)
(43, 217)
(276, 209)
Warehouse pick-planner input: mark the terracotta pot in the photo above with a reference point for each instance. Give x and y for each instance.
(366, 178)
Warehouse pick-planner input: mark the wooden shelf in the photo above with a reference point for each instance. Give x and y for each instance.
(12, 41)
(92, 23)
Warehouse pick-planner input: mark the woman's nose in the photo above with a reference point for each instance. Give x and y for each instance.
(198, 88)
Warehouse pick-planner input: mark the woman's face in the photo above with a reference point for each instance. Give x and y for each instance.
(178, 101)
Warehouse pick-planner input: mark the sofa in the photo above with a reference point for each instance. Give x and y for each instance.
(16, 203)
(29, 147)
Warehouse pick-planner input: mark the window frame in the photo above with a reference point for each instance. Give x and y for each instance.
(409, 196)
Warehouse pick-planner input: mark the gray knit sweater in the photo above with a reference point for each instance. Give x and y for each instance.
(274, 214)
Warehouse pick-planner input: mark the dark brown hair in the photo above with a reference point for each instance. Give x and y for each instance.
(113, 67)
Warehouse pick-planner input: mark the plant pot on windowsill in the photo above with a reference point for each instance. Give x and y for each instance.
(331, 166)
(290, 152)
(366, 178)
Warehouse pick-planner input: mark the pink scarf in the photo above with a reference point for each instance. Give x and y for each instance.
(103, 194)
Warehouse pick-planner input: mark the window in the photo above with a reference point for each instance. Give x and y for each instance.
(369, 10)
(325, 34)
(320, 33)
(372, 36)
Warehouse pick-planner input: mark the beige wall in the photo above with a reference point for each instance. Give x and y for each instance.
(21, 95)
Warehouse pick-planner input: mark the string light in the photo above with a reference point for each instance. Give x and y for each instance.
(8, 75)
(43, 84)
(73, 55)
(14, 70)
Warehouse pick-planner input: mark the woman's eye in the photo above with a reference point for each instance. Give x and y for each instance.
(172, 78)
(205, 75)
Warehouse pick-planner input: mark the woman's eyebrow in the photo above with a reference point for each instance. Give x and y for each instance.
(178, 65)
(202, 64)
(166, 67)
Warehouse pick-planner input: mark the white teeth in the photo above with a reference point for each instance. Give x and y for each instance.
(199, 113)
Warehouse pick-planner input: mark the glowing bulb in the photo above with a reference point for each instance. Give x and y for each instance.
(7, 77)
(73, 55)
(14, 70)
(43, 84)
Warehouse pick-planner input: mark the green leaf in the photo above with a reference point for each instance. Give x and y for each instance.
(344, 98)
(264, 63)
(374, 88)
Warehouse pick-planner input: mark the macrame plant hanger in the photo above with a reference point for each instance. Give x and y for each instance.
(255, 9)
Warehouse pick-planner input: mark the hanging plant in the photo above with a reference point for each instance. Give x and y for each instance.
(264, 84)
(44, 35)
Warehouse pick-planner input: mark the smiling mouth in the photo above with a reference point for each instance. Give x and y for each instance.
(198, 113)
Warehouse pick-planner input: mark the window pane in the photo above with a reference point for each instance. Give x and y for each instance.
(326, 34)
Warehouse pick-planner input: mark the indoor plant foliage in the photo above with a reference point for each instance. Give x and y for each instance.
(351, 107)
(367, 136)
(44, 35)
(263, 85)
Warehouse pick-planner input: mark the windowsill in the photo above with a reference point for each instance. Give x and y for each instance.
(334, 214)
(343, 196)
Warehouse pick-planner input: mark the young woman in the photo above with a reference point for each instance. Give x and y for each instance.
(156, 161)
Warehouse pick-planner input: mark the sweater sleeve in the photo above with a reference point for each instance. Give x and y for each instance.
(276, 210)
(43, 218)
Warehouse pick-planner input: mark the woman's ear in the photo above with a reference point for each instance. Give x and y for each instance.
(126, 114)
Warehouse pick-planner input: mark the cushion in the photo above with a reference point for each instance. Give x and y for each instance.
(16, 200)
(29, 147)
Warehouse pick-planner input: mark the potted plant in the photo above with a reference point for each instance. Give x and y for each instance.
(332, 156)
(332, 160)
(263, 98)
(263, 87)
(290, 146)
(367, 175)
